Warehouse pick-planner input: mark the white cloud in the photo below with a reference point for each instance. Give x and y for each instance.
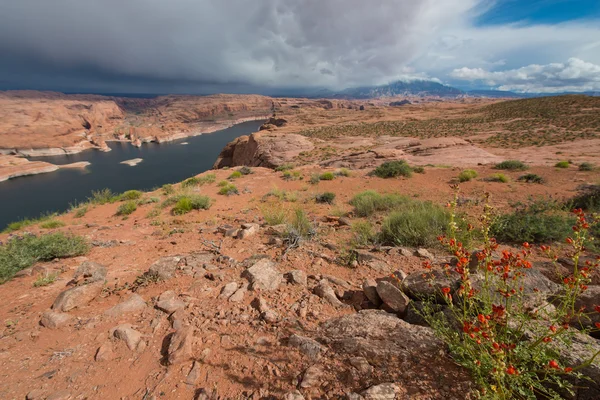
(574, 75)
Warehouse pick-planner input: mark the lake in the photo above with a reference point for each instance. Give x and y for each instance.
(31, 196)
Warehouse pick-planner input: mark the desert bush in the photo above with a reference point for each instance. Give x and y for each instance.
(190, 202)
(284, 167)
(24, 251)
(223, 183)
(168, 189)
(45, 280)
(369, 202)
(510, 352)
(190, 182)
(18, 225)
(417, 224)
(81, 211)
(467, 175)
(588, 198)
(126, 208)
(418, 170)
(562, 164)
(392, 169)
(148, 200)
(364, 234)
(315, 179)
(497, 178)
(326, 198)
(235, 175)
(228, 190)
(343, 172)
(519, 227)
(512, 165)
(274, 215)
(131, 195)
(531, 178)
(245, 170)
(300, 226)
(207, 178)
(52, 224)
(291, 175)
(586, 166)
(327, 176)
(103, 196)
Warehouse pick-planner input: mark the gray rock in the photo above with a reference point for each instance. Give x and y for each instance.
(384, 391)
(295, 395)
(370, 288)
(307, 346)
(165, 267)
(228, 290)
(130, 336)
(364, 256)
(194, 375)
(419, 285)
(60, 395)
(89, 272)
(263, 275)
(337, 281)
(362, 365)
(311, 377)
(296, 277)
(54, 320)
(266, 313)
(170, 305)
(424, 253)
(35, 394)
(134, 303)
(248, 230)
(276, 230)
(589, 300)
(180, 346)
(392, 297)
(233, 232)
(105, 352)
(238, 295)
(325, 291)
(78, 296)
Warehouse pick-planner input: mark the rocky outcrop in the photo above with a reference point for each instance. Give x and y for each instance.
(263, 149)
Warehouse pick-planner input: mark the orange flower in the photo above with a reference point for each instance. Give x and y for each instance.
(547, 339)
(553, 364)
(481, 318)
(597, 308)
(568, 369)
(512, 370)
(553, 328)
(597, 325)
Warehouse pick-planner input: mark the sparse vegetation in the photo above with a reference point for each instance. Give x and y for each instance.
(190, 182)
(327, 176)
(291, 175)
(187, 203)
(131, 195)
(52, 224)
(18, 225)
(235, 175)
(418, 170)
(300, 225)
(81, 211)
(586, 166)
(562, 164)
(274, 214)
(369, 202)
(364, 234)
(284, 167)
(245, 170)
(168, 189)
(416, 224)
(126, 208)
(467, 175)
(512, 165)
(283, 195)
(343, 172)
(497, 178)
(531, 178)
(326, 198)
(103, 196)
(228, 190)
(23, 251)
(45, 280)
(532, 227)
(392, 169)
(315, 179)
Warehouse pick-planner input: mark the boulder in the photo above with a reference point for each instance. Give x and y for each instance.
(238, 295)
(130, 336)
(326, 292)
(169, 302)
(419, 285)
(54, 320)
(134, 303)
(263, 275)
(180, 346)
(589, 299)
(228, 290)
(294, 395)
(105, 352)
(370, 289)
(307, 346)
(311, 377)
(266, 313)
(383, 391)
(89, 272)
(424, 253)
(392, 297)
(165, 267)
(78, 296)
(296, 277)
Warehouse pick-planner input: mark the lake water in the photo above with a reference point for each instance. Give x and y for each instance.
(31, 196)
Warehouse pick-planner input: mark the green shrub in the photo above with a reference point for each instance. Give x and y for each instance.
(228, 190)
(18, 225)
(245, 170)
(148, 200)
(369, 202)
(274, 215)
(418, 170)
(530, 227)
(127, 208)
(22, 252)
(315, 179)
(103, 196)
(187, 203)
(327, 198)
(207, 178)
(343, 172)
(300, 226)
(588, 199)
(497, 178)
(586, 166)
(235, 175)
(45, 280)
(284, 167)
(168, 189)
(392, 169)
(131, 195)
(418, 224)
(531, 178)
(52, 224)
(223, 184)
(327, 176)
(190, 182)
(364, 233)
(512, 165)
(562, 164)
(289, 175)
(467, 175)
(81, 211)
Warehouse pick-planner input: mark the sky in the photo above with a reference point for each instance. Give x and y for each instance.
(278, 46)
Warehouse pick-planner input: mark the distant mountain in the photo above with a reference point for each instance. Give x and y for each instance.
(495, 94)
(399, 88)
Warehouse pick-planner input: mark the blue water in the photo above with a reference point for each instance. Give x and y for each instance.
(31, 196)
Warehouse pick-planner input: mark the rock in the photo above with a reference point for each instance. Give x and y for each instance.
(276, 230)
(575, 354)
(130, 336)
(354, 396)
(392, 297)
(180, 346)
(364, 256)
(134, 303)
(295, 395)
(379, 266)
(233, 232)
(35, 394)
(165, 267)
(384, 391)
(344, 221)
(377, 335)
(78, 296)
(248, 230)
(337, 281)
(263, 275)
(194, 374)
(60, 395)
(418, 285)
(169, 302)
(228, 290)
(105, 352)
(370, 288)
(311, 377)
(54, 320)
(424, 253)
(325, 291)
(89, 272)
(362, 365)
(266, 313)
(589, 299)
(238, 295)
(296, 277)
(307, 346)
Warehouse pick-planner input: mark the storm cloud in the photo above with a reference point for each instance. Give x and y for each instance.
(241, 45)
